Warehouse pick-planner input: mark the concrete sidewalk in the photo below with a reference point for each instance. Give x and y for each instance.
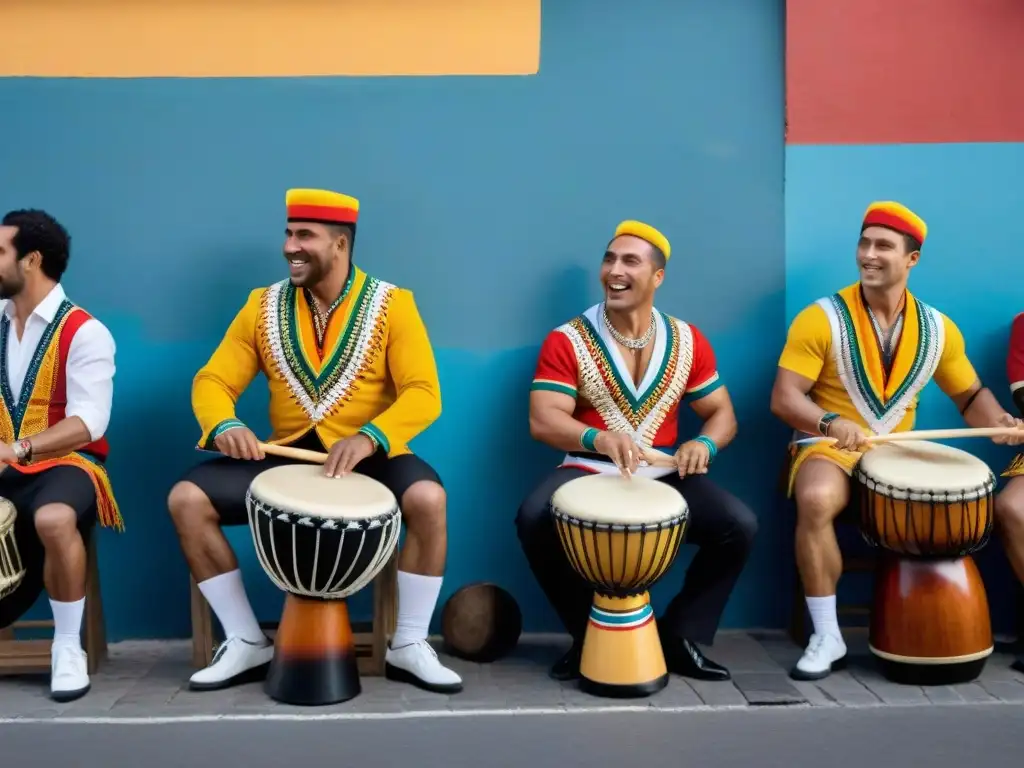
(146, 680)
(893, 737)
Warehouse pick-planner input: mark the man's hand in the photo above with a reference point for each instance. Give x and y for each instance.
(1006, 420)
(620, 448)
(692, 458)
(346, 454)
(848, 435)
(7, 454)
(239, 443)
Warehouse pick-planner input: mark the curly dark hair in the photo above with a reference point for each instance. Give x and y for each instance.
(39, 231)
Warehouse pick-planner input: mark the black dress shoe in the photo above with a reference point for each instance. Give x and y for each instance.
(684, 658)
(1018, 664)
(568, 667)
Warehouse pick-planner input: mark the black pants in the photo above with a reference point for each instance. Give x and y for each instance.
(225, 480)
(721, 525)
(29, 493)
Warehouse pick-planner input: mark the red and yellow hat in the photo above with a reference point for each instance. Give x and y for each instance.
(322, 206)
(897, 217)
(645, 232)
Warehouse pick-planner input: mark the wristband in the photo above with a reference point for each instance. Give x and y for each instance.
(825, 420)
(588, 437)
(710, 444)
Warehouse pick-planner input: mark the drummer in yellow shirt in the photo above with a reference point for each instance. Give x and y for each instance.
(351, 371)
(854, 364)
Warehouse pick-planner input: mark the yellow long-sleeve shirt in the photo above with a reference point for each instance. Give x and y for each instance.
(376, 374)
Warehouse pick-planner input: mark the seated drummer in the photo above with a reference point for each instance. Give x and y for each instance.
(1010, 501)
(57, 369)
(350, 369)
(607, 390)
(854, 364)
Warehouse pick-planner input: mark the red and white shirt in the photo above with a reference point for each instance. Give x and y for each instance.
(581, 359)
(1015, 357)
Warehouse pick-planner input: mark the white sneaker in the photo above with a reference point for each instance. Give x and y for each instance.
(69, 675)
(417, 664)
(824, 654)
(236, 661)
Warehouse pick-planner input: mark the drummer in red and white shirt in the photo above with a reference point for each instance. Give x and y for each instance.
(607, 390)
(1010, 501)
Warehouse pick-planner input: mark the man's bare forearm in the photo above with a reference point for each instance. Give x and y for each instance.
(62, 438)
(797, 410)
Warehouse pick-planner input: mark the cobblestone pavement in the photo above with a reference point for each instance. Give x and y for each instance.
(146, 680)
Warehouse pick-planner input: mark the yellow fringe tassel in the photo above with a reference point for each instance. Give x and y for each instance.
(107, 511)
(1016, 466)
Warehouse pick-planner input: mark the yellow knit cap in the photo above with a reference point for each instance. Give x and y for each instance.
(645, 232)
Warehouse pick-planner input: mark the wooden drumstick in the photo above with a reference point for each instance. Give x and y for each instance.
(656, 458)
(924, 434)
(300, 454)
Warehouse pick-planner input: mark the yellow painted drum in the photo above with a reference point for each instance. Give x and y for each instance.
(621, 535)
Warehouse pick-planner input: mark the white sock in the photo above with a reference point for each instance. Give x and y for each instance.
(417, 598)
(823, 616)
(67, 622)
(226, 595)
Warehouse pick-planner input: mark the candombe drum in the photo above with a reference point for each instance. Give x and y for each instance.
(12, 572)
(320, 539)
(928, 507)
(621, 535)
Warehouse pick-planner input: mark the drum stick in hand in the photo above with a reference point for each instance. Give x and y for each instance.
(656, 458)
(299, 454)
(924, 434)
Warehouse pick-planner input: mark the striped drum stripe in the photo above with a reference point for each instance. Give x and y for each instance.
(620, 620)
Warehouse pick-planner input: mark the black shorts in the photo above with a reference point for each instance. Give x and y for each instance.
(58, 485)
(28, 493)
(225, 480)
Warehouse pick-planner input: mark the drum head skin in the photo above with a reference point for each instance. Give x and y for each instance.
(304, 489)
(616, 500)
(481, 622)
(924, 467)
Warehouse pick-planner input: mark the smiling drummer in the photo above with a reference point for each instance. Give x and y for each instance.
(607, 391)
(854, 364)
(350, 369)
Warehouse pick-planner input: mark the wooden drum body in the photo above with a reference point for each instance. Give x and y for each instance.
(929, 507)
(320, 539)
(621, 536)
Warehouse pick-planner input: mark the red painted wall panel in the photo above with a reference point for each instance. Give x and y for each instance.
(904, 71)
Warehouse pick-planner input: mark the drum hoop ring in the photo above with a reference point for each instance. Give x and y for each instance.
(971, 493)
(306, 520)
(571, 519)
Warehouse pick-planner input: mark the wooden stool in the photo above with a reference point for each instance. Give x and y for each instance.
(371, 637)
(34, 655)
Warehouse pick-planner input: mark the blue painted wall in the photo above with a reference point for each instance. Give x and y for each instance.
(491, 198)
(969, 196)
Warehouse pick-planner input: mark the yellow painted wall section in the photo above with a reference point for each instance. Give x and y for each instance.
(268, 38)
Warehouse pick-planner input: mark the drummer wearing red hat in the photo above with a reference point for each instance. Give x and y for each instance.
(854, 364)
(362, 400)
